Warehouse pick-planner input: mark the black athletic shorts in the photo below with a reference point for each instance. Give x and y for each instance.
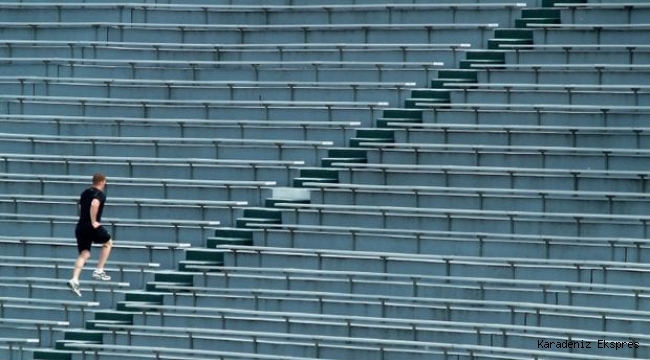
(86, 237)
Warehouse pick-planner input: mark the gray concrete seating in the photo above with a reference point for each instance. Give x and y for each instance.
(61, 268)
(129, 207)
(165, 147)
(159, 230)
(399, 52)
(159, 188)
(510, 134)
(607, 12)
(165, 254)
(577, 54)
(381, 264)
(474, 33)
(576, 158)
(538, 115)
(541, 73)
(570, 94)
(247, 282)
(493, 177)
(303, 71)
(14, 347)
(42, 331)
(269, 14)
(479, 198)
(622, 96)
(588, 271)
(143, 333)
(194, 109)
(446, 242)
(194, 90)
(305, 130)
(452, 219)
(404, 329)
(593, 33)
(281, 2)
(229, 173)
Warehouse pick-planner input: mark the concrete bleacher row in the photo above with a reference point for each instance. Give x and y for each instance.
(493, 176)
(193, 90)
(470, 33)
(504, 12)
(304, 71)
(158, 147)
(599, 74)
(152, 187)
(479, 198)
(366, 52)
(195, 109)
(160, 230)
(508, 135)
(438, 242)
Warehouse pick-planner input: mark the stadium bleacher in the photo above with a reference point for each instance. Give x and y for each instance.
(340, 179)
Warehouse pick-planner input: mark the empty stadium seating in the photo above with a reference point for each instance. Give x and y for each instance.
(341, 179)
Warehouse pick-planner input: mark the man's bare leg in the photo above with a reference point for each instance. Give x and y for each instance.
(99, 273)
(103, 255)
(79, 265)
(73, 283)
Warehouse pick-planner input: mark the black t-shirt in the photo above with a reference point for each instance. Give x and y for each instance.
(86, 198)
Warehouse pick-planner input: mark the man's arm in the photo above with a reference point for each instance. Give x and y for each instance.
(94, 209)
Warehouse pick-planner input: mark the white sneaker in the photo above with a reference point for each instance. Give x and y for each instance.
(101, 275)
(74, 287)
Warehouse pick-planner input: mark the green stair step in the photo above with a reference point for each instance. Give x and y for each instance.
(468, 75)
(328, 175)
(213, 242)
(259, 215)
(550, 3)
(510, 36)
(533, 13)
(379, 135)
(413, 103)
(496, 43)
(110, 317)
(440, 83)
(427, 95)
(328, 161)
(300, 181)
(441, 94)
(523, 23)
(202, 257)
(511, 33)
(61, 344)
(398, 113)
(53, 354)
(349, 155)
(489, 57)
(467, 64)
(384, 124)
(232, 233)
(272, 202)
(175, 278)
(197, 265)
(203, 254)
(135, 306)
(79, 336)
(144, 296)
